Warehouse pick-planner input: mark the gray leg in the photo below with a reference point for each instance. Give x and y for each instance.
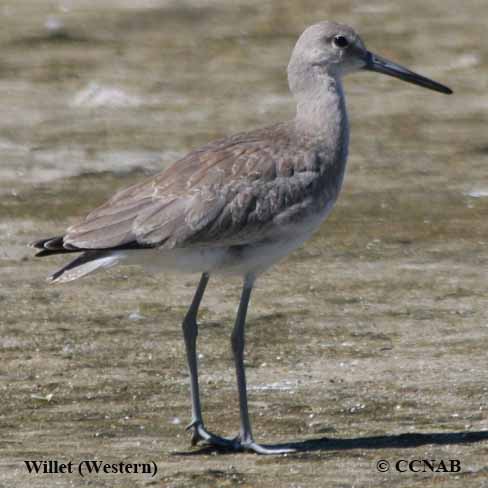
(190, 333)
(237, 343)
(245, 439)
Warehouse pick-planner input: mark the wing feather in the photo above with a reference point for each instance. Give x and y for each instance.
(225, 193)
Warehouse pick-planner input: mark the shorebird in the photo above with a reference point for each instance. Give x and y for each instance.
(239, 204)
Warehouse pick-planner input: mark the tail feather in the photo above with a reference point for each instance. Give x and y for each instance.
(90, 260)
(56, 245)
(87, 263)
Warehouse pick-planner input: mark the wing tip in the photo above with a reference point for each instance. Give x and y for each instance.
(53, 245)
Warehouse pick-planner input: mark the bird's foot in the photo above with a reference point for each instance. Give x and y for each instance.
(252, 446)
(200, 433)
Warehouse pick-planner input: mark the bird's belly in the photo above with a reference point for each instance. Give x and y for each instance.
(234, 260)
(258, 257)
(262, 255)
(184, 260)
(238, 260)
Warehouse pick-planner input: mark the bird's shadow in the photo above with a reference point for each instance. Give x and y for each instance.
(373, 442)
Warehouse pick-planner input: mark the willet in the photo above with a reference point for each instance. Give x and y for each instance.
(239, 204)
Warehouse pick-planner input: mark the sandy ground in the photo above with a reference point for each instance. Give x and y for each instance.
(368, 344)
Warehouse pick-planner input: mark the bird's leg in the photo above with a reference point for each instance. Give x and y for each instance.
(237, 343)
(245, 439)
(190, 333)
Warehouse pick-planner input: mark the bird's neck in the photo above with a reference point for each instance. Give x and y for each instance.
(322, 118)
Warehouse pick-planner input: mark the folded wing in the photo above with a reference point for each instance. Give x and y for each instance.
(225, 193)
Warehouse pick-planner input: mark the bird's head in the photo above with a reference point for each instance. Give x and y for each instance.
(331, 50)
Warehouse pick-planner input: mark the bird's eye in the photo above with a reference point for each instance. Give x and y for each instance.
(341, 41)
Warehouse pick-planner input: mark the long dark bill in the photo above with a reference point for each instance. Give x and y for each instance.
(382, 65)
